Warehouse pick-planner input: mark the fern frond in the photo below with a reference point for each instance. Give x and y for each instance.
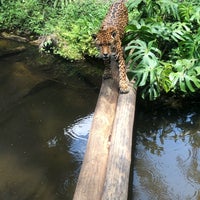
(169, 7)
(186, 11)
(196, 15)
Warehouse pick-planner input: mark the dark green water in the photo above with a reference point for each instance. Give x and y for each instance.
(167, 153)
(44, 125)
(43, 132)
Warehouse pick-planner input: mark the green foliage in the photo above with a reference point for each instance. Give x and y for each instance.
(62, 3)
(75, 35)
(22, 15)
(185, 75)
(72, 21)
(163, 47)
(145, 56)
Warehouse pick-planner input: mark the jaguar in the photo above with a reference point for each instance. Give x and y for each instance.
(109, 41)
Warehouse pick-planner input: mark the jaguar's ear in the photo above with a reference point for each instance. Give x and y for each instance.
(94, 36)
(113, 34)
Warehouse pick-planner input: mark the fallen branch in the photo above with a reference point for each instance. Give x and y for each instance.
(13, 51)
(17, 38)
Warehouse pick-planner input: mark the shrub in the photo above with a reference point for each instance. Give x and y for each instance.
(163, 46)
(72, 21)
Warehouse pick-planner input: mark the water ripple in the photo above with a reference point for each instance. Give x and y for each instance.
(80, 129)
(78, 135)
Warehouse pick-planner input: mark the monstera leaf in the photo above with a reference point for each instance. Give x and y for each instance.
(143, 52)
(186, 75)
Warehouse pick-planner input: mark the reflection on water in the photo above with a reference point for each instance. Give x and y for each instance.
(40, 134)
(167, 154)
(78, 132)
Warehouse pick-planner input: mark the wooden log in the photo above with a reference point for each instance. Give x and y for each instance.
(119, 160)
(106, 166)
(92, 174)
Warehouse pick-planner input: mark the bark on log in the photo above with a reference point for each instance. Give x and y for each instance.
(105, 170)
(119, 159)
(92, 174)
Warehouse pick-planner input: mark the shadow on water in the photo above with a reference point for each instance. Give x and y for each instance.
(167, 154)
(43, 132)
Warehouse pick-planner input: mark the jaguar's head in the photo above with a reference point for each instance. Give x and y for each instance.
(105, 41)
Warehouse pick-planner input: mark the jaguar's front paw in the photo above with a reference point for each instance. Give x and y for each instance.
(123, 88)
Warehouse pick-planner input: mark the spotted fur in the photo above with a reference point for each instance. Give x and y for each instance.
(108, 41)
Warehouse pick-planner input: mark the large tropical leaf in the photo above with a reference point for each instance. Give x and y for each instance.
(143, 52)
(186, 75)
(190, 47)
(163, 46)
(169, 7)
